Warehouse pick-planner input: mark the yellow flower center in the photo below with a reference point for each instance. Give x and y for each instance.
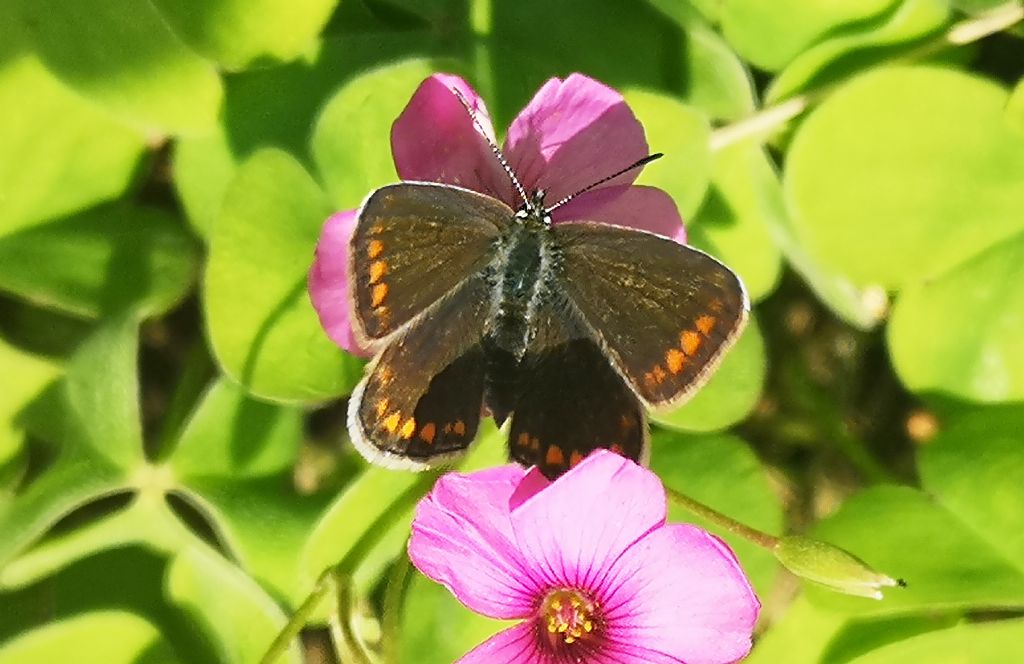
(569, 615)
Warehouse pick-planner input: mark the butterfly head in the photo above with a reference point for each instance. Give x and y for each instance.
(533, 209)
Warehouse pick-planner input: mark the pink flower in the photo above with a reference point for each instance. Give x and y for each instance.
(589, 565)
(571, 134)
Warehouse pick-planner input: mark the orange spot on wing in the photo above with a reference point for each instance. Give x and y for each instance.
(615, 447)
(382, 407)
(408, 429)
(523, 440)
(689, 341)
(575, 458)
(659, 373)
(705, 324)
(377, 271)
(428, 432)
(383, 313)
(674, 360)
(376, 230)
(555, 456)
(459, 428)
(384, 374)
(392, 421)
(374, 248)
(534, 444)
(380, 291)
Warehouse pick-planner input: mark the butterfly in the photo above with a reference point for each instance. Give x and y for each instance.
(571, 330)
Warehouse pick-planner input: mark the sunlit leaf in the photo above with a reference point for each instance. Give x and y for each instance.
(238, 32)
(887, 194)
(89, 637)
(722, 472)
(261, 324)
(101, 261)
(60, 152)
(123, 55)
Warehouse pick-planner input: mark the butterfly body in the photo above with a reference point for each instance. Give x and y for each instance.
(569, 329)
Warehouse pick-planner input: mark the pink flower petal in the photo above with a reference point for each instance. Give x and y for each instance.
(515, 644)
(532, 483)
(679, 591)
(434, 139)
(462, 538)
(328, 281)
(572, 531)
(572, 134)
(644, 208)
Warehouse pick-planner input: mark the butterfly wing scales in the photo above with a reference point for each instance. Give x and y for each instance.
(412, 244)
(571, 401)
(419, 404)
(685, 308)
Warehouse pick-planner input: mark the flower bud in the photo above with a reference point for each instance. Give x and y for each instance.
(831, 567)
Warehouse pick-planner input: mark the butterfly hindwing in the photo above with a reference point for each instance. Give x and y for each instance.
(664, 312)
(414, 242)
(570, 399)
(419, 404)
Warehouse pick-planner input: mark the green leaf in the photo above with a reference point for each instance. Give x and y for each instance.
(734, 223)
(730, 394)
(682, 134)
(722, 472)
(90, 637)
(351, 141)
(122, 54)
(237, 33)
(960, 333)
(261, 325)
(101, 261)
(93, 413)
(810, 634)
(290, 97)
(984, 642)
(800, 637)
(60, 152)
(1015, 108)
(239, 617)
(437, 628)
(976, 468)
(577, 36)
(858, 49)
(144, 522)
(885, 526)
(715, 79)
(203, 169)
(375, 492)
(886, 195)
(24, 377)
(233, 436)
(263, 522)
(770, 33)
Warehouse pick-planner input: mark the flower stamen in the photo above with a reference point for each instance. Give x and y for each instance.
(569, 615)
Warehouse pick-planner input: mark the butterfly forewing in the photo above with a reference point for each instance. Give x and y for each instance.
(570, 399)
(419, 404)
(664, 312)
(413, 243)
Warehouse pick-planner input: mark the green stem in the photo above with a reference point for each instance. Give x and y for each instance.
(758, 537)
(770, 119)
(348, 564)
(391, 611)
(347, 645)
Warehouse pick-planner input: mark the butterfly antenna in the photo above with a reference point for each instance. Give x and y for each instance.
(494, 148)
(646, 160)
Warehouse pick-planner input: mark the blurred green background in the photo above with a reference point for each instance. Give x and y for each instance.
(174, 471)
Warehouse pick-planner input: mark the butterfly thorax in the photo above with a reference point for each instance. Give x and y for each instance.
(522, 264)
